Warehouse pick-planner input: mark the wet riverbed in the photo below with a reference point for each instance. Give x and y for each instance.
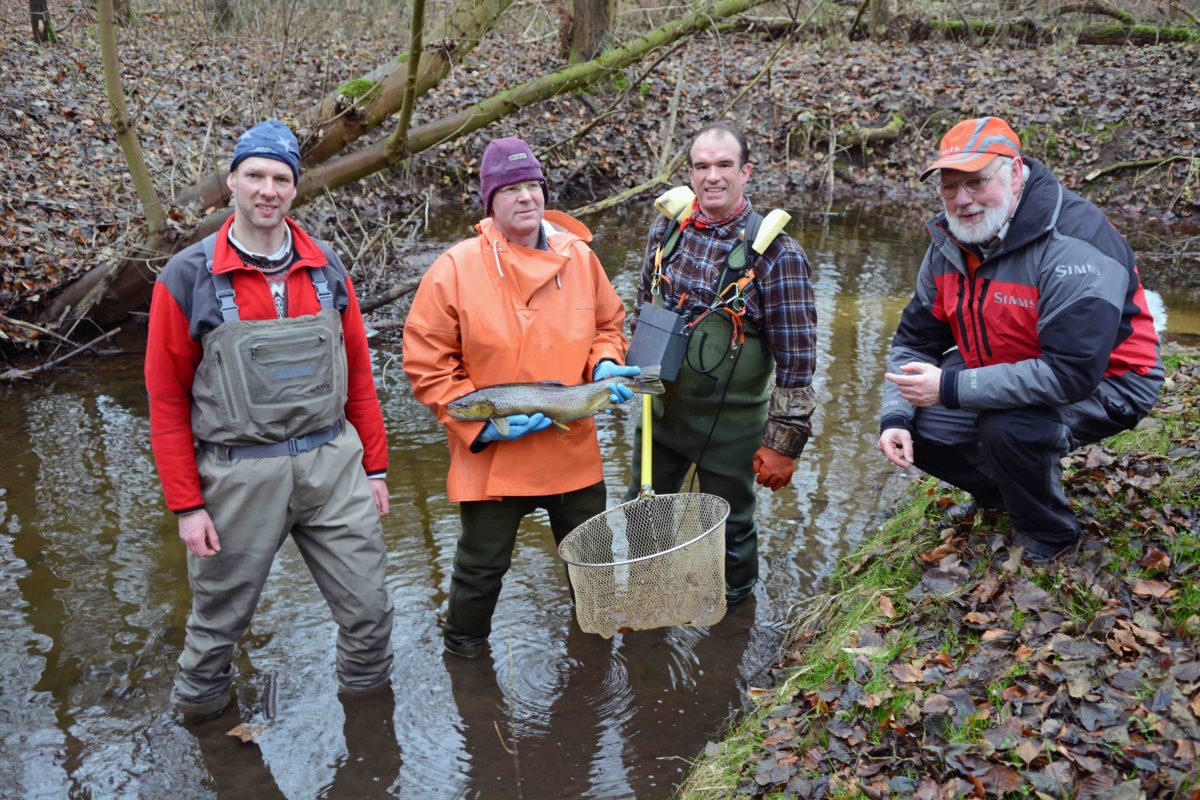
(96, 595)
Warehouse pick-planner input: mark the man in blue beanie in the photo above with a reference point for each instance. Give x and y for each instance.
(264, 422)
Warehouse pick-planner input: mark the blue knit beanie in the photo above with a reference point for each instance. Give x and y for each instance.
(270, 139)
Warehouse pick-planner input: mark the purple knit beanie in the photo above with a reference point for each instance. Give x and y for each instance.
(506, 161)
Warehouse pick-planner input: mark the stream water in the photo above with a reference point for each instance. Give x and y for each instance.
(96, 596)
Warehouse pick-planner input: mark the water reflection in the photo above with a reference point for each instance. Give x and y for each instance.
(93, 573)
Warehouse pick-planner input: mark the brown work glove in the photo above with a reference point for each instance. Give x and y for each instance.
(773, 468)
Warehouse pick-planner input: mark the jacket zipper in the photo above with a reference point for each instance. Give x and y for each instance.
(958, 312)
(987, 347)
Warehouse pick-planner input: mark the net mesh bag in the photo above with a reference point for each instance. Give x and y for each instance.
(654, 562)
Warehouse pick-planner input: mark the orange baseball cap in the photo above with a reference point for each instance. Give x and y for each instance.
(973, 143)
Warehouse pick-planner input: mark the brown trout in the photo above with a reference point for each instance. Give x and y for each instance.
(560, 403)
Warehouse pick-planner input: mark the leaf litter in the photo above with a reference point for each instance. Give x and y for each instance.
(994, 679)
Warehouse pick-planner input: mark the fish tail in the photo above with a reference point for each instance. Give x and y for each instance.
(648, 382)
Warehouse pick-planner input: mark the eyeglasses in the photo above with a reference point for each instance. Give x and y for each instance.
(972, 185)
(515, 189)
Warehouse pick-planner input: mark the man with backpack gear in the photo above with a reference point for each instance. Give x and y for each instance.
(745, 312)
(264, 422)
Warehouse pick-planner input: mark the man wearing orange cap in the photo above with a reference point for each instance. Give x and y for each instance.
(1028, 335)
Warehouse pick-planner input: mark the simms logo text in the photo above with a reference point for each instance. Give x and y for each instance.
(1063, 270)
(999, 298)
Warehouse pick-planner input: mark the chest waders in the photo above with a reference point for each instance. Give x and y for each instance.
(268, 399)
(269, 387)
(712, 414)
(714, 411)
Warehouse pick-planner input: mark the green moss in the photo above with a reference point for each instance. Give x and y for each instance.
(1178, 35)
(1050, 148)
(1167, 34)
(359, 89)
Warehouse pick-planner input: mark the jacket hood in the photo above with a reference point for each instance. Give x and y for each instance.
(526, 268)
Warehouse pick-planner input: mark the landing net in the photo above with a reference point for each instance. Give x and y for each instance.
(654, 562)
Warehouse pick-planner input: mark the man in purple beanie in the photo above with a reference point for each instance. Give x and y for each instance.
(524, 301)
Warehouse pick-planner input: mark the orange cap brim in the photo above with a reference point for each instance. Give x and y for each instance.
(963, 162)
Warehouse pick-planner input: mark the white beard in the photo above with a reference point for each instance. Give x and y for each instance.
(983, 230)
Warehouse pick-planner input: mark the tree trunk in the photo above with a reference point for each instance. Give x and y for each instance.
(1096, 7)
(586, 30)
(39, 20)
(881, 16)
(222, 14)
(399, 136)
(152, 206)
(131, 288)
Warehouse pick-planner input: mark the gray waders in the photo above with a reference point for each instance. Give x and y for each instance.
(712, 416)
(276, 457)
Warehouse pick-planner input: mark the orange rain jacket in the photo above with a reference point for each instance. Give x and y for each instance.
(489, 311)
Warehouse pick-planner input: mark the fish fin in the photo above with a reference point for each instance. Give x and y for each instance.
(501, 424)
(548, 383)
(649, 381)
(562, 425)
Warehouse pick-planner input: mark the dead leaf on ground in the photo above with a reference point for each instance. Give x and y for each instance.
(1149, 588)
(247, 732)
(907, 673)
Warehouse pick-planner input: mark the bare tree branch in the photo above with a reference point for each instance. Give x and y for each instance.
(399, 136)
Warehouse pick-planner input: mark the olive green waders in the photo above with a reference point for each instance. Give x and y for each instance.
(712, 416)
(485, 547)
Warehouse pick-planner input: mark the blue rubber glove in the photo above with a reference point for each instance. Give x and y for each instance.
(617, 393)
(516, 426)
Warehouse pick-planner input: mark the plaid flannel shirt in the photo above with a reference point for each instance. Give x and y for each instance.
(779, 301)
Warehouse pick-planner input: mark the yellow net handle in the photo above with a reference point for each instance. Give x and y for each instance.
(647, 447)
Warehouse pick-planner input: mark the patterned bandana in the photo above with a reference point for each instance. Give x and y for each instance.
(701, 221)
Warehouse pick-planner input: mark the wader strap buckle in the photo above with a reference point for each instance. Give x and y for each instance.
(300, 444)
(321, 284)
(229, 309)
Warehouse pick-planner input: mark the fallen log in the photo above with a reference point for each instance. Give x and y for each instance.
(1140, 164)
(16, 374)
(1137, 34)
(1029, 31)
